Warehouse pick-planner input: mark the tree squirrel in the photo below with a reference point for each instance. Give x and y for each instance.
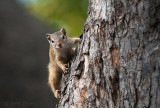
(60, 53)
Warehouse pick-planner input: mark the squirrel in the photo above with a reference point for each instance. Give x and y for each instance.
(60, 53)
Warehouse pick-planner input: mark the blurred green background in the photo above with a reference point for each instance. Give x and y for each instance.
(57, 14)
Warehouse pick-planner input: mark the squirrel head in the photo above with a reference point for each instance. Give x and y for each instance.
(58, 39)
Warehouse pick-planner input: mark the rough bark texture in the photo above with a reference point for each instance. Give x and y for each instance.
(118, 60)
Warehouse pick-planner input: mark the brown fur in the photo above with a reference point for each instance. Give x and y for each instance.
(57, 64)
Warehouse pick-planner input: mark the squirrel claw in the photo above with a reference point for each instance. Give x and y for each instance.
(65, 68)
(57, 94)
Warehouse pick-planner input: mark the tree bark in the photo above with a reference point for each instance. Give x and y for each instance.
(117, 63)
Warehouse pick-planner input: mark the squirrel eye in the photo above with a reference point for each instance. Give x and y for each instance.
(52, 41)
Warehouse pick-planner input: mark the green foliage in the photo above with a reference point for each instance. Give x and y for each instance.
(69, 14)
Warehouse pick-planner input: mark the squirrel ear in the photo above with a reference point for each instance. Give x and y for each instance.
(63, 31)
(48, 37)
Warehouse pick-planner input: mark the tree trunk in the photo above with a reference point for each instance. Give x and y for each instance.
(117, 63)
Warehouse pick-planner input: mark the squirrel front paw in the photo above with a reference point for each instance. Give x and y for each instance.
(65, 68)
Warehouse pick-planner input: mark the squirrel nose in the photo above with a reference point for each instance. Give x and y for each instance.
(60, 45)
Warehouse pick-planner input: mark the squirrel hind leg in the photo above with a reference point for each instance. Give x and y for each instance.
(55, 90)
(55, 86)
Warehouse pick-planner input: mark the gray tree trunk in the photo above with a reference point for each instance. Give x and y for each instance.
(117, 64)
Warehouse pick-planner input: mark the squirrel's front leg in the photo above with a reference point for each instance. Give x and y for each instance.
(63, 66)
(76, 40)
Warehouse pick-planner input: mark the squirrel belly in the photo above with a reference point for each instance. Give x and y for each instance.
(60, 53)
